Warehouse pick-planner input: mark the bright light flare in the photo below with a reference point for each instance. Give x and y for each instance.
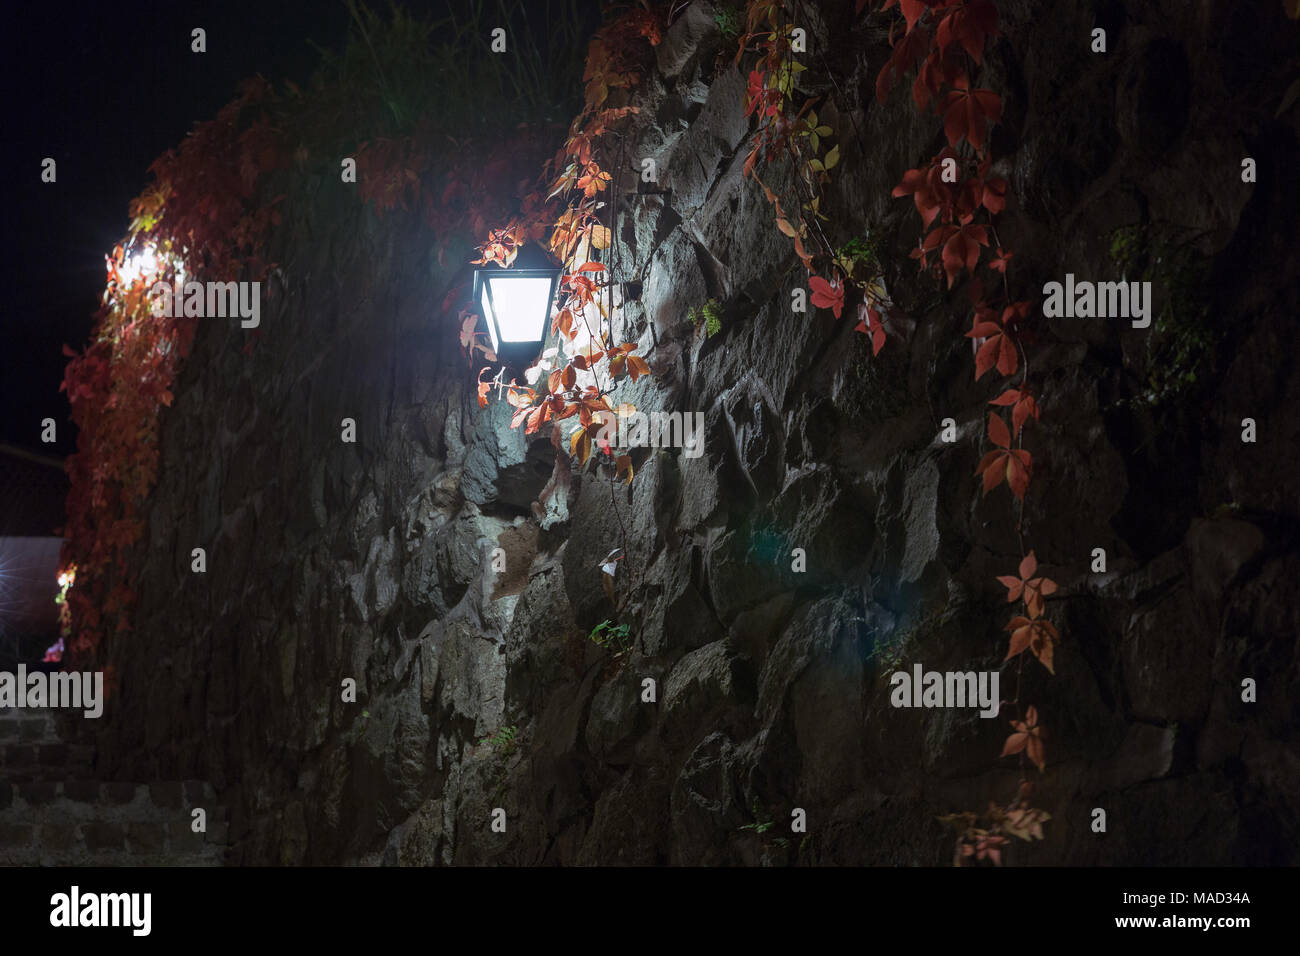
(146, 263)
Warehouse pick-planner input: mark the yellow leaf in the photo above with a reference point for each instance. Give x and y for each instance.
(832, 158)
(600, 236)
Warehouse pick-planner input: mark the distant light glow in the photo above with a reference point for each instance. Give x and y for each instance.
(139, 264)
(145, 263)
(28, 566)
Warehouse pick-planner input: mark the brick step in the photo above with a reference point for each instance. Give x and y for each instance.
(89, 799)
(54, 813)
(109, 844)
(109, 824)
(28, 726)
(46, 761)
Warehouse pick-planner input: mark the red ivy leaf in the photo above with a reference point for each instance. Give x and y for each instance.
(994, 347)
(907, 52)
(962, 250)
(1012, 464)
(1023, 406)
(998, 433)
(965, 112)
(828, 294)
(870, 324)
(995, 197)
(969, 25)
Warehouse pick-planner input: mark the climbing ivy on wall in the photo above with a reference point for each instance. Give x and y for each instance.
(207, 215)
(570, 211)
(208, 212)
(957, 197)
(201, 216)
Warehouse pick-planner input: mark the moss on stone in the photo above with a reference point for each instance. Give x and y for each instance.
(1180, 352)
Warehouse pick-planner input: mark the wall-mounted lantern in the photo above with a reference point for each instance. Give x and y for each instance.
(516, 303)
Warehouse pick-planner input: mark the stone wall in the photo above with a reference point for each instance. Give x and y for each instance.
(329, 560)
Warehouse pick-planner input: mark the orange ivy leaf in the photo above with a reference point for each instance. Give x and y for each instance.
(622, 467)
(468, 322)
(1025, 823)
(580, 445)
(803, 254)
(1012, 464)
(636, 367)
(1028, 737)
(1032, 589)
(1038, 635)
(986, 846)
(563, 323)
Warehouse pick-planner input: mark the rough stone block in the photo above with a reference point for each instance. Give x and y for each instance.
(119, 793)
(146, 837)
(39, 792)
(57, 837)
(101, 835)
(167, 794)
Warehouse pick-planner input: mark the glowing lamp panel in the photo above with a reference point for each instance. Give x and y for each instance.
(517, 308)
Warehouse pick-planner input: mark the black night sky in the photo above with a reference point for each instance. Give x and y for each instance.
(104, 89)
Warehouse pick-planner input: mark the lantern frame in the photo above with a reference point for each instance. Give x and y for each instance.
(489, 281)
